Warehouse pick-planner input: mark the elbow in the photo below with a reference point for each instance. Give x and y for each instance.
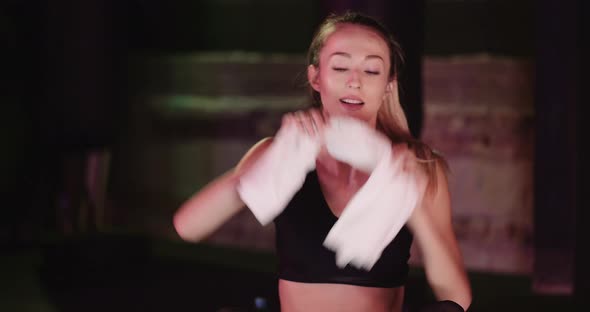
(464, 297)
(183, 230)
(458, 292)
(465, 301)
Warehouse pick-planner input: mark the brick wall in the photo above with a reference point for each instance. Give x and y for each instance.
(479, 115)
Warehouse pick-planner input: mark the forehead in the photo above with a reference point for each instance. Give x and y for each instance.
(355, 40)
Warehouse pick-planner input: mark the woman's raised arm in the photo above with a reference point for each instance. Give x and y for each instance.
(215, 203)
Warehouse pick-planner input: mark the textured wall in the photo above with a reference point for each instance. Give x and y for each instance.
(479, 114)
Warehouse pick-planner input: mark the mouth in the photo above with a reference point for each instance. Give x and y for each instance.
(351, 103)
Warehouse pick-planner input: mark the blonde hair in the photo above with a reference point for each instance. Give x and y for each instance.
(391, 121)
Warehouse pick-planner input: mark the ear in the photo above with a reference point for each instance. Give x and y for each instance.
(390, 87)
(313, 77)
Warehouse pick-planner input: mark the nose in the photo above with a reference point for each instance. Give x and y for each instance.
(353, 81)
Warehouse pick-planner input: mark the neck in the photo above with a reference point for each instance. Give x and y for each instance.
(333, 167)
(373, 122)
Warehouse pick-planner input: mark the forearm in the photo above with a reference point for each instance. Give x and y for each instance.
(447, 279)
(442, 262)
(207, 210)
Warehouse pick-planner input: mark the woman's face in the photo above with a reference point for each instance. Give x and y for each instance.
(352, 76)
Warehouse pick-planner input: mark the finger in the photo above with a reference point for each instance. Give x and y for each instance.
(285, 120)
(325, 115)
(288, 119)
(303, 122)
(315, 126)
(317, 114)
(317, 121)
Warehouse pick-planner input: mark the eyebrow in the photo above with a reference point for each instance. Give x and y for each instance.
(372, 56)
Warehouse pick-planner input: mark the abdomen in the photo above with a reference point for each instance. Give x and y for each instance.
(311, 297)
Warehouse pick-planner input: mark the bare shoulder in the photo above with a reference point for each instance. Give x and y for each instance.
(435, 206)
(442, 166)
(437, 170)
(254, 153)
(437, 198)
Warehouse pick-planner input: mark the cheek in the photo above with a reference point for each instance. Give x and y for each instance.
(330, 86)
(377, 91)
(377, 95)
(329, 81)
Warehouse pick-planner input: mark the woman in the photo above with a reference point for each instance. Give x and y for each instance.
(352, 72)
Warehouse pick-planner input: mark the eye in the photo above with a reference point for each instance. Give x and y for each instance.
(372, 72)
(339, 69)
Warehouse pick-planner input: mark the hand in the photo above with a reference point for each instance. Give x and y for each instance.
(272, 181)
(312, 122)
(355, 143)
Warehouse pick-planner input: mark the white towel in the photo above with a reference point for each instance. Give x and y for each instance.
(376, 213)
(355, 143)
(373, 216)
(272, 181)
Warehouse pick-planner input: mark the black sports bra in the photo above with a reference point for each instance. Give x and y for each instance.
(300, 231)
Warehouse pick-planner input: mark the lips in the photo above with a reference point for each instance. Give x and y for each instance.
(351, 103)
(352, 100)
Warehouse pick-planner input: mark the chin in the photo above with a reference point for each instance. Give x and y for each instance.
(359, 113)
(359, 116)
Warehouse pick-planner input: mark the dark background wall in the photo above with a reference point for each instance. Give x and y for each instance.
(74, 73)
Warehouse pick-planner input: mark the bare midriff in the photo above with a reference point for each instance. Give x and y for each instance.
(309, 297)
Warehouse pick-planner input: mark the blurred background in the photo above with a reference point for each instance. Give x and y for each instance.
(115, 112)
